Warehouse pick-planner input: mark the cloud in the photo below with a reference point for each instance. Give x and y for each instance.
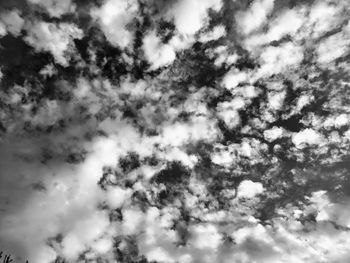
(326, 210)
(175, 154)
(216, 33)
(83, 233)
(158, 254)
(191, 16)
(307, 137)
(56, 39)
(234, 204)
(223, 156)
(223, 56)
(334, 46)
(3, 30)
(233, 78)
(55, 8)
(202, 233)
(337, 121)
(288, 23)
(67, 206)
(276, 99)
(13, 22)
(253, 18)
(116, 197)
(228, 111)
(180, 133)
(249, 189)
(277, 59)
(273, 133)
(324, 16)
(114, 18)
(158, 54)
(132, 219)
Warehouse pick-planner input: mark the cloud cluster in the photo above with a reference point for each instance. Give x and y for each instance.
(56, 39)
(191, 131)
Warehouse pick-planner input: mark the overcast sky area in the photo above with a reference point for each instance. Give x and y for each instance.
(182, 131)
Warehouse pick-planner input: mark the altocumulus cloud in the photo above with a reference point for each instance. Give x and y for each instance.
(175, 131)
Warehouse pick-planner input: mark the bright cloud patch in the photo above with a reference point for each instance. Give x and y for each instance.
(190, 16)
(249, 189)
(13, 22)
(56, 39)
(307, 137)
(158, 54)
(55, 8)
(114, 16)
(277, 59)
(255, 16)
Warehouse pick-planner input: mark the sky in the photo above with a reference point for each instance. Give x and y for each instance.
(184, 131)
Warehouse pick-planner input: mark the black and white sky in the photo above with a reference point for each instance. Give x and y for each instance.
(179, 131)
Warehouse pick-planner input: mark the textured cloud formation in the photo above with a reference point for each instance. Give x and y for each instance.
(56, 39)
(183, 131)
(55, 8)
(191, 16)
(12, 22)
(253, 18)
(114, 18)
(157, 53)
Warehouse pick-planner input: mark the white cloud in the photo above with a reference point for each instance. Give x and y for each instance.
(132, 219)
(341, 120)
(113, 17)
(247, 91)
(300, 23)
(187, 258)
(287, 23)
(304, 100)
(190, 16)
(48, 114)
(334, 46)
(228, 111)
(53, 38)
(181, 42)
(159, 254)
(255, 16)
(223, 156)
(215, 33)
(336, 121)
(158, 54)
(249, 189)
(55, 8)
(276, 100)
(222, 55)
(233, 78)
(205, 237)
(3, 30)
(179, 133)
(324, 16)
(13, 21)
(82, 235)
(68, 206)
(49, 70)
(257, 232)
(277, 59)
(116, 196)
(307, 137)
(273, 133)
(175, 154)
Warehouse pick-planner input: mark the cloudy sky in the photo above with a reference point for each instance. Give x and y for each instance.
(183, 131)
